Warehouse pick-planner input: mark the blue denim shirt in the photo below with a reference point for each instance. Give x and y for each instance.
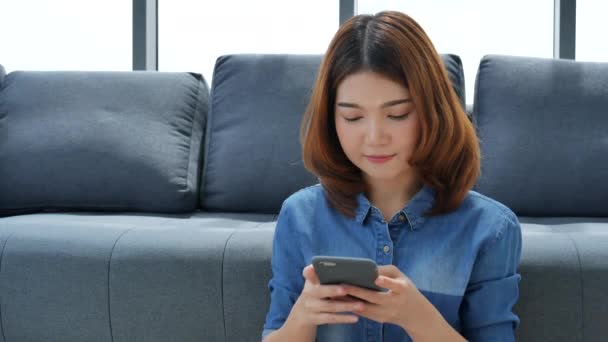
(464, 262)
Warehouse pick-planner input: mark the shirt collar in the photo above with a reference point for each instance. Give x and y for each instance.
(414, 210)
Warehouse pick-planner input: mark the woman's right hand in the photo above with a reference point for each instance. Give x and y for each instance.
(323, 304)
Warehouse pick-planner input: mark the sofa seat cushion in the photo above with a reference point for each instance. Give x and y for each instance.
(101, 141)
(564, 270)
(126, 277)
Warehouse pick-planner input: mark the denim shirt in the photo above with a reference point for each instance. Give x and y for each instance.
(464, 262)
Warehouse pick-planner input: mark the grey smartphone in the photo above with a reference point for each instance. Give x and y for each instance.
(360, 272)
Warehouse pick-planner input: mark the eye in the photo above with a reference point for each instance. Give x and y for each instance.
(399, 117)
(352, 119)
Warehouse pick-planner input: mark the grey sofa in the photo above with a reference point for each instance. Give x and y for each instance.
(141, 206)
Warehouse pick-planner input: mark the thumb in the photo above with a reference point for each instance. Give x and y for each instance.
(310, 274)
(390, 271)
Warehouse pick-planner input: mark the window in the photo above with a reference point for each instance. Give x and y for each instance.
(591, 30)
(474, 28)
(192, 34)
(66, 35)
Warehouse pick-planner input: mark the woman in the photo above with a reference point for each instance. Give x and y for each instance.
(396, 158)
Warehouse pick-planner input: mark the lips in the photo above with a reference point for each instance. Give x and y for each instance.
(380, 158)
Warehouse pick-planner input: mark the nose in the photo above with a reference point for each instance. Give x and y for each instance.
(376, 133)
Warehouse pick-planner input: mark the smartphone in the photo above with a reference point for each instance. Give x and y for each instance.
(360, 272)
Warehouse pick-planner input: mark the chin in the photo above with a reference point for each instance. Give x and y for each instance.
(379, 175)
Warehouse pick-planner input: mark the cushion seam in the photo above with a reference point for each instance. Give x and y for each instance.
(109, 272)
(580, 268)
(193, 116)
(222, 284)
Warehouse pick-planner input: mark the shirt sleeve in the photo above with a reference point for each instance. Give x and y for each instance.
(287, 280)
(493, 289)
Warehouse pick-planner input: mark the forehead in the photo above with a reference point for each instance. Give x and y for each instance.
(370, 87)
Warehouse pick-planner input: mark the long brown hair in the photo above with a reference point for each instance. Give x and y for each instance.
(393, 44)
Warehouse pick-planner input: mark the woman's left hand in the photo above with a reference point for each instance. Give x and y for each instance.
(404, 306)
(398, 305)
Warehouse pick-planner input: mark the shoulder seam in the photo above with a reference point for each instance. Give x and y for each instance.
(504, 210)
(505, 218)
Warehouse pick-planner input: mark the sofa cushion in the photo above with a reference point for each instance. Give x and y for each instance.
(253, 155)
(564, 272)
(246, 273)
(57, 277)
(542, 126)
(101, 141)
(453, 65)
(121, 277)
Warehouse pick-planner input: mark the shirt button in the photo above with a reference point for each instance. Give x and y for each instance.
(401, 217)
(386, 248)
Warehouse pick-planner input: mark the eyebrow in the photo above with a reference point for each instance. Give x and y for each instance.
(384, 105)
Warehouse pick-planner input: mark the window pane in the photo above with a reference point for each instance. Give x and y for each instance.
(474, 28)
(591, 30)
(192, 34)
(66, 35)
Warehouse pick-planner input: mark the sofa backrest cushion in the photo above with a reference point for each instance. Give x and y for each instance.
(101, 141)
(542, 126)
(253, 157)
(453, 65)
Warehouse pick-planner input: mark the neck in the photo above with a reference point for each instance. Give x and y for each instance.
(391, 196)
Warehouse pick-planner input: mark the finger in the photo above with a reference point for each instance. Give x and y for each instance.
(327, 318)
(370, 296)
(346, 298)
(371, 311)
(310, 274)
(390, 271)
(335, 306)
(329, 291)
(397, 285)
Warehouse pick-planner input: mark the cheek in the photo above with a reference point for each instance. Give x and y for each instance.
(411, 132)
(405, 139)
(347, 137)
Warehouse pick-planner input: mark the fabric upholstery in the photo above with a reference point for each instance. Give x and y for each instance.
(246, 273)
(116, 277)
(549, 270)
(101, 141)
(54, 283)
(453, 65)
(542, 125)
(564, 272)
(151, 277)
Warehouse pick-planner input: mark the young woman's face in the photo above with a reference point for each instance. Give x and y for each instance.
(377, 125)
